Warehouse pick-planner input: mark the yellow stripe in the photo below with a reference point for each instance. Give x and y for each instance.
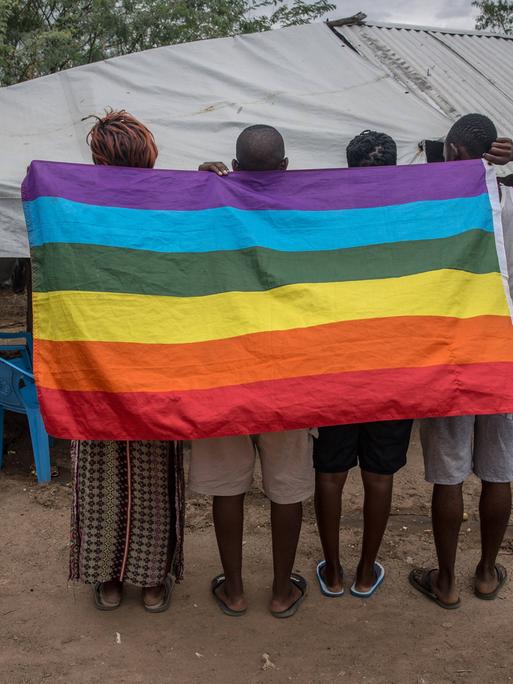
(111, 317)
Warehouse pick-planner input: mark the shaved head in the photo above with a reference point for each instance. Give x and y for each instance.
(260, 148)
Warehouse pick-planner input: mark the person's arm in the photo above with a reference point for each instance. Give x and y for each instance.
(501, 152)
(215, 167)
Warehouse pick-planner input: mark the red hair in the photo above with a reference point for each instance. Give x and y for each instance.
(119, 139)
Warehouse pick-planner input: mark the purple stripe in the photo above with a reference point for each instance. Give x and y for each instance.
(309, 190)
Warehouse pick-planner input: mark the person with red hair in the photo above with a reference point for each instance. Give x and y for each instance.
(119, 139)
(127, 517)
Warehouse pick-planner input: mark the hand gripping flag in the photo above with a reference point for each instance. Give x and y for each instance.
(178, 304)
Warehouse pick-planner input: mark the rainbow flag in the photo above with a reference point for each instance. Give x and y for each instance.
(178, 304)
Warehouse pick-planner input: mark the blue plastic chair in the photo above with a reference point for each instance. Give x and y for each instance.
(18, 394)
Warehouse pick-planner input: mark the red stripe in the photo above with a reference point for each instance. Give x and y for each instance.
(281, 404)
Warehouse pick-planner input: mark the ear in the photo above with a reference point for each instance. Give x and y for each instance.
(456, 152)
(284, 164)
(235, 165)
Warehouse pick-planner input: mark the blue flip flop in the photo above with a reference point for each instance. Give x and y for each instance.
(322, 584)
(380, 576)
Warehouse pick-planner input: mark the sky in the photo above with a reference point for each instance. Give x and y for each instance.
(443, 13)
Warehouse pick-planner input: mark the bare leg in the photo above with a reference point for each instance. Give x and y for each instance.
(447, 514)
(328, 508)
(286, 522)
(376, 510)
(494, 511)
(228, 512)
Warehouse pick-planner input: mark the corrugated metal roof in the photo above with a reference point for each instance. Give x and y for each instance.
(456, 71)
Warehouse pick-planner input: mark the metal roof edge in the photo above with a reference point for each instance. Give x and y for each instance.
(337, 24)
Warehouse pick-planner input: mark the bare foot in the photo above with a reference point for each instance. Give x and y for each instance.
(280, 603)
(235, 602)
(111, 592)
(333, 578)
(365, 578)
(486, 579)
(153, 596)
(447, 594)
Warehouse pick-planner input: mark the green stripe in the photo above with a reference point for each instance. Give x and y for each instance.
(61, 266)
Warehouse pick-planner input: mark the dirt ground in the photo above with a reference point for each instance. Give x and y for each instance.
(51, 632)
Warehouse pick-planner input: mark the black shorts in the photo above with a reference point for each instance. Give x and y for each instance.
(377, 447)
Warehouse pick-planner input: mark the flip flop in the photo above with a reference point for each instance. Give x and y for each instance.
(420, 579)
(502, 576)
(302, 585)
(166, 599)
(322, 583)
(379, 571)
(99, 599)
(214, 586)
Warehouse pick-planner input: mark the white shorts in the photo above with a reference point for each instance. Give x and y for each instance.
(455, 447)
(224, 466)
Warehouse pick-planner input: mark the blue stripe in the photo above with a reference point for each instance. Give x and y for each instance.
(53, 219)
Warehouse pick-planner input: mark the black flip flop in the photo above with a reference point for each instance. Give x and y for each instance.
(302, 585)
(420, 579)
(166, 599)
(99, 600)
(214, 586)
(502, 576)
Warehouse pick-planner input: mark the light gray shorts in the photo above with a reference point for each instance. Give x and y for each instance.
(455, 447)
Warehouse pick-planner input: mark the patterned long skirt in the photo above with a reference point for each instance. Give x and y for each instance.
(128, 512)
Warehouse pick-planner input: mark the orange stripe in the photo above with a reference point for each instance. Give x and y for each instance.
(335, 347)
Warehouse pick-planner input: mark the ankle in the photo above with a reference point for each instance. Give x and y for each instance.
(366, 564)
(233, 588)
(333, 570)
(445, 580)
(282, 589)
(366, 569)
(485, 568)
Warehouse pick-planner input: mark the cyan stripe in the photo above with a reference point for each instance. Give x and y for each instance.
(53, 219)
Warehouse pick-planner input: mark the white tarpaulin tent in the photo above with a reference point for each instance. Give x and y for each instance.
(197, 97)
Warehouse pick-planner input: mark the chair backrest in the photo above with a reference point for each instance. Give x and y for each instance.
(25, 349)
(10, 380)
(15, 371)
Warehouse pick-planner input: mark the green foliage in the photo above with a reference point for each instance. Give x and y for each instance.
(495, 15)
(39, 37)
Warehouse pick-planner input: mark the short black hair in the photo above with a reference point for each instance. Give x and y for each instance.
(372, 148)
(260, 148)
(475, 132)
